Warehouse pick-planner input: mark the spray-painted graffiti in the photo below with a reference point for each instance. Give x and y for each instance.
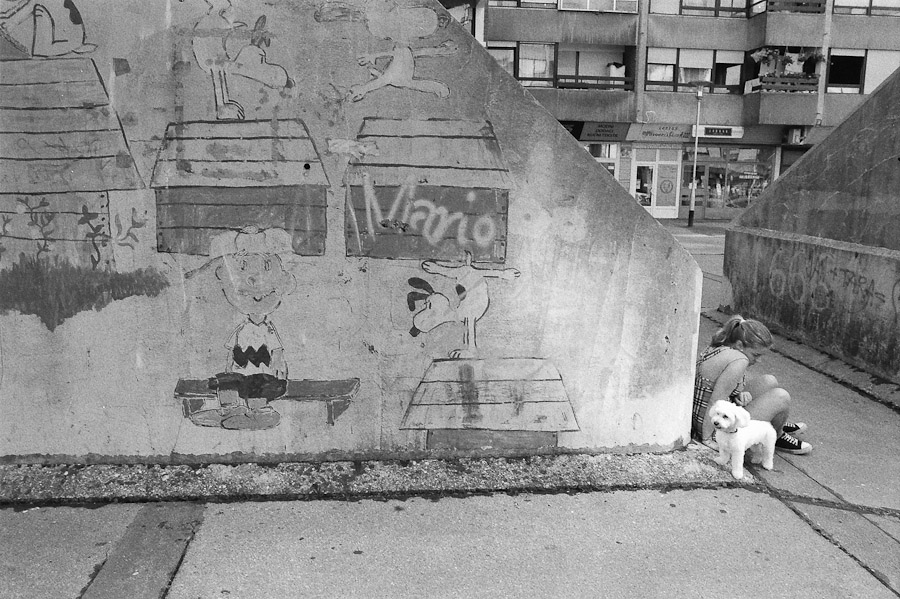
(441, 214)
(470, 303)
(815, 280)
(433, 189)
(402, 26)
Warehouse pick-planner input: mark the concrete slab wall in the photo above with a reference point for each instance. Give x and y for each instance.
(841, 297)
(337, 231)
(818, 254)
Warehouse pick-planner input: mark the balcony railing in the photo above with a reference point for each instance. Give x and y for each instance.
(589, 82)
(811, 7)
(784, 83)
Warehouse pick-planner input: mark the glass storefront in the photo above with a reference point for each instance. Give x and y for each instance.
(728, 178)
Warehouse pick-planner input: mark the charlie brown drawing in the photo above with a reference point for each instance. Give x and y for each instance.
(253, 280)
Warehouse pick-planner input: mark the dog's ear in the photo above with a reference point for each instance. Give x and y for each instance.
(741, 417)
(422, 284)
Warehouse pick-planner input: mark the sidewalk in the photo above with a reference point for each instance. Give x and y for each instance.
(825, 524)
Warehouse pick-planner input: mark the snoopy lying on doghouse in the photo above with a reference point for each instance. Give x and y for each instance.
(469, 305)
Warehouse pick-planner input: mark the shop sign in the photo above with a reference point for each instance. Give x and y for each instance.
(609, 132)
(660, 132)
(721, 131)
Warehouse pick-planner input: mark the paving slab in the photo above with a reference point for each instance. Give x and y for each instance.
(871, 546)
(54, 553)
(145, 559)
(700, 543)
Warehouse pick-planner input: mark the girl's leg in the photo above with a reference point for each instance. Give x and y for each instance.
(758, 385)
(772, 406)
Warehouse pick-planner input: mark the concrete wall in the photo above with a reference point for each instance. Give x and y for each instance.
(432, 263)
(818, 254)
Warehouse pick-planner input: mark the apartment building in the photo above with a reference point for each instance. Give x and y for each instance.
(631, 79)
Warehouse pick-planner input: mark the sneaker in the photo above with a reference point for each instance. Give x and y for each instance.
(789, 444)
(794, 428)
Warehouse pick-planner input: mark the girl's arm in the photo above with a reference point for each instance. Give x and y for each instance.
(722, 388)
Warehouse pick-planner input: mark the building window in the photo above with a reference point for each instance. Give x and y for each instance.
(721, 67)
(534, 65)
(592, 67)
(702, 8)
(714, 8)
(661, 69)
(727, 176)
(523, 3)
(606, 154)
(846, 71)
(505, 55)
(881, 8)
(728, 66)
(629, 6)
(694, 65)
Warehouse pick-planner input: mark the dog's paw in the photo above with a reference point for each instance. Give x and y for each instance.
(737, 474)
(720, 460)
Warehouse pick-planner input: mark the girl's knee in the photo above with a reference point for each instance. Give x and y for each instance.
(780, 398)
(768, 381)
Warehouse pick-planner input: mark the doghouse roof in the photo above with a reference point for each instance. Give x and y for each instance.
(238, 154)
(58, 132)
(441, 152)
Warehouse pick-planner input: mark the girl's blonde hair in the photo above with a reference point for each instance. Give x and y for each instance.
(746, 330)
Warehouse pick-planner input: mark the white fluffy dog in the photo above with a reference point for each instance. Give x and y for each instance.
(736, 433)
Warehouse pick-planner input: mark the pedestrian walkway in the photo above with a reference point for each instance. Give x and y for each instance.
(824, 525)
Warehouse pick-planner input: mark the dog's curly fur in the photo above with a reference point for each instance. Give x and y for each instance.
(736, 433)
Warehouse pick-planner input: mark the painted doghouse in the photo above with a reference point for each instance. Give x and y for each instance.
(217, 176)
(62, 152)
(434, 188)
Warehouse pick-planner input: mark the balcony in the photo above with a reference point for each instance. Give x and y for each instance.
(589, 82)
(564, 26)
(796, 6)
(791, 83)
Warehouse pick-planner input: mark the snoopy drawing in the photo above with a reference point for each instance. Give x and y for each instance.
(469, 305)
(57, 26)
(402, 26)
(212, 32)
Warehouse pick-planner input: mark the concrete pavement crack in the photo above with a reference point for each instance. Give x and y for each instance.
(880, 577)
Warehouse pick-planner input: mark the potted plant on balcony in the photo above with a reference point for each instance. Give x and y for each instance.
(774, 57)
(811, 59)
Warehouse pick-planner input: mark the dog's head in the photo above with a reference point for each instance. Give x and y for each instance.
(728, 417)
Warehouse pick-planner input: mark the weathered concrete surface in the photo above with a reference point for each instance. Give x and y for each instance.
(55, 553)
(372, 146)
(818, 254)
(66, 484)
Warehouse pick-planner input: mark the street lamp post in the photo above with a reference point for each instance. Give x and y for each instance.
(700, 85)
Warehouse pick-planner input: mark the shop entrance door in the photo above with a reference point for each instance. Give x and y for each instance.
(645, 185)
(654, 182)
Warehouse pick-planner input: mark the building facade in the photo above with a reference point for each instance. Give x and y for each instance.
(632, 79)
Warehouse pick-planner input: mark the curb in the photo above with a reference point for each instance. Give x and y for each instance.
(864, 383)
(68, 484)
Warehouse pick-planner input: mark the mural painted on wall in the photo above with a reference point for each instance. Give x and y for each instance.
(214, 176)
(252, 276)
(220, 46)
(470, 401)
(42, 28)
(250, 206)
(434, 188)
(63, 155)
(402, 27)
